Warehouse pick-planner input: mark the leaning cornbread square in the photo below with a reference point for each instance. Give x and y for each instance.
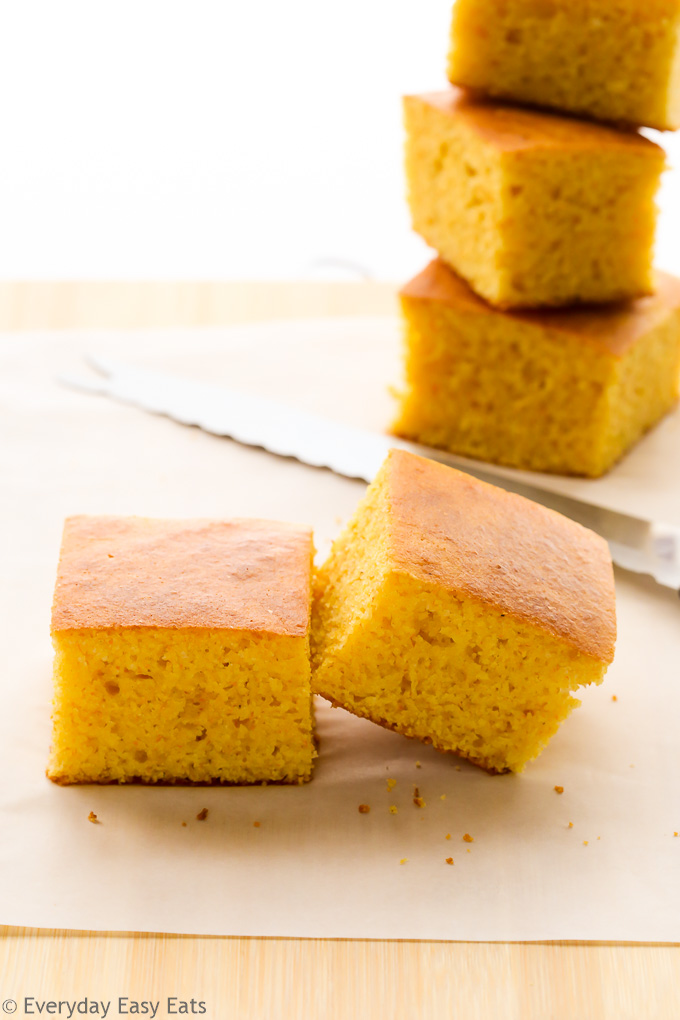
(561, 390)
(463, 615)
(616, 60)
(532, 209)
(182, 652)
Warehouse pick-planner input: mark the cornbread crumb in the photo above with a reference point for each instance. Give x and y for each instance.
(202, 815)
(676, 833)
(364, 809)
(256, 825)
(449, 860)
(448, 835)
(584, 384)
(614, 698)
(468, 838)
(469, 851)
(585, 842)
(431, 619)
(443, 796)
(393, 809)
(418, 765)
(92, 818)
(404, 860)
(532, 209)
(391, 783)
(571, 825)
(614, 61)
(417, 799)
(184, 825)
(559, 789)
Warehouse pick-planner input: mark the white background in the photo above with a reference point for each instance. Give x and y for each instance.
(218, 138)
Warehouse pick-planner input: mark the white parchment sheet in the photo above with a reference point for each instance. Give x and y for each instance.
(315, 866)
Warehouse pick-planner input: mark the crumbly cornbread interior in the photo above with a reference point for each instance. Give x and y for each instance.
(181, 705)
(431, 663)
(516, 390)
(532, 210)
(617, 60)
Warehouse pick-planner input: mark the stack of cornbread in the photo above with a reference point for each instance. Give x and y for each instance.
(449, 610)
(541, 337)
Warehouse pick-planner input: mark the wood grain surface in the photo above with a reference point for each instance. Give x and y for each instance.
(268, 979)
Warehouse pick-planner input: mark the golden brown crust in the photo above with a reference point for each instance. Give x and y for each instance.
(479, 541)
(613, 328)
(139, 572)
(513, 128)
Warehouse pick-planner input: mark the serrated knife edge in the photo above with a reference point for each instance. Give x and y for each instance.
(636, 544)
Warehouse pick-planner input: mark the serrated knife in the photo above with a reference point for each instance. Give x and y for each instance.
(636, 544)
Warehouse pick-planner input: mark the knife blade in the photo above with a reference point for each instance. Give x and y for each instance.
(636, 544)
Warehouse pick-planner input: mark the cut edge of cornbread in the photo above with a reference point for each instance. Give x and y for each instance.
(445, 635)
(567, 391)
(190, 707)
(618, 64)
(532, 209)
(179, 703)
(389, 634)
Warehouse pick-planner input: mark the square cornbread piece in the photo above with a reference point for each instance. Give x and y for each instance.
(182, 652)
(561, 390)
(461, 614)
(532, 209)
(616, 60)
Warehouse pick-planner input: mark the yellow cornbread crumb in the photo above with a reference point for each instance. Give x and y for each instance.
(182, 652)
(616, 60)
(92, 818)
(571, 825)
(448, 835)
(449, 860)
(468, 838)
(443, 796)
(565, 391)
(614, 698)
(559, 789)
(530, 208)
(393, 809)
(364, 809)
(419, 802)
(391, 783)
(585, 842)
(420, 620)
(676, 833)
(256, 825)
(404, 860)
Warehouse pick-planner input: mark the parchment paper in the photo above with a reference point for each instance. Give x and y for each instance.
(315, 866)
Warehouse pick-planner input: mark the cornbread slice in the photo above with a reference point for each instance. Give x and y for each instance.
(615, 60)
(555, 390)
(461, 614)
(182, 652)
(530, 208)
